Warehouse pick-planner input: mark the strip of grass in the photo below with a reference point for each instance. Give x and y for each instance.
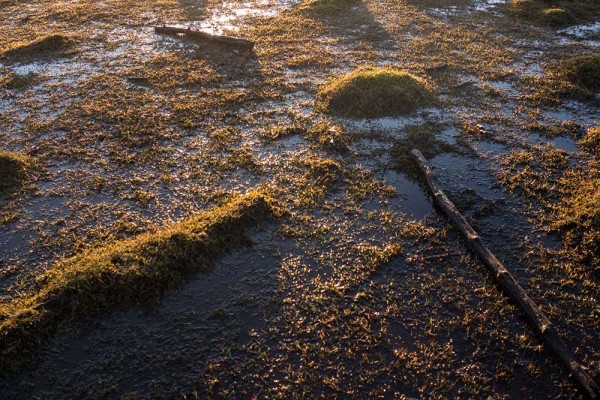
(124, 272)
(13, 168)
(375, 92)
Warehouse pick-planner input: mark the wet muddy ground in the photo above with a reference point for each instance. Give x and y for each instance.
(362, 290)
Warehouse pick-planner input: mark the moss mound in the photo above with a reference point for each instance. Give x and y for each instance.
(55, 44)
(553, 13)
(583, 71)
(375, 92)
(124, 272)
(13, 168)
(557, 17)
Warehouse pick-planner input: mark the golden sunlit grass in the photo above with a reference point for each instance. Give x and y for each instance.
(375, 92)
(329, 136)
(569, 195)
(591, 142)
(123, 272)
(577, 214)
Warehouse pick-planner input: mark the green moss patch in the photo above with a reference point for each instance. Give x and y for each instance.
(123, 272)
(55, 44)
(13, 168)
(375, 92)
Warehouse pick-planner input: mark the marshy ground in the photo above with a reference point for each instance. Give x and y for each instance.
(181, 220)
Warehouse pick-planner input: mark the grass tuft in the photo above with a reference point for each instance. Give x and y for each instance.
(13, 168)
(329, 136)
(591, 142)
(583, 71)
(54, 44)
(575, 77)
(17, 81)
(375, 92)
(557, 17)
(123, 272)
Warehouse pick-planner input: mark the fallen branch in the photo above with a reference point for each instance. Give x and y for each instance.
(463, 85)
(510, 286)
(436, 68)
(200, 36)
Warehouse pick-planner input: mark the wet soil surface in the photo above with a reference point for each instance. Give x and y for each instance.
(362, 291)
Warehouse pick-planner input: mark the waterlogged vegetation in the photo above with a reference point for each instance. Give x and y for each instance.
(568, 193)
(123, 272)
(184, 219)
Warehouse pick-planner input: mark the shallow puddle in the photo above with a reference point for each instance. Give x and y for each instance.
(228, 15)
(142, 350)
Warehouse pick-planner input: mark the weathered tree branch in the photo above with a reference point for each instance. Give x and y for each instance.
(200, 36)
(508, 283)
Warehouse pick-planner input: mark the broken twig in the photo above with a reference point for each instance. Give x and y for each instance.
(508, 283)
(437, 68)
(205, 37)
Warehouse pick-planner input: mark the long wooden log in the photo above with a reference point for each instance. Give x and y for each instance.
(508, 283)
(205, 37)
